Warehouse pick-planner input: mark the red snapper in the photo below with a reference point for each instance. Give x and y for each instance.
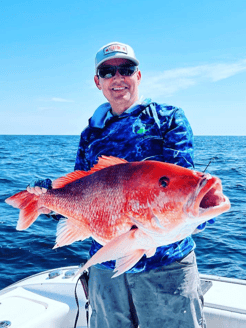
(130, 208)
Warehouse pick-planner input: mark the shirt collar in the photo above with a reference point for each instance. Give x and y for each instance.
(103, 113)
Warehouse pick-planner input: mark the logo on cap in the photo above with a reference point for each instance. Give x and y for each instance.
(115, 48)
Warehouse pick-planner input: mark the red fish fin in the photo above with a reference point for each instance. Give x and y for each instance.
(70, 177)
(103, 162)
(127, 262)
(106, 161)
(29, 210)
(150, 252)
(69, 231)
(117, 248)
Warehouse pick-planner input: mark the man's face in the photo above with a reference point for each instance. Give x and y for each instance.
(120, 91)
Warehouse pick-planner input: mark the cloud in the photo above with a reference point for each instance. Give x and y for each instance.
(61, 100)
(170, 81)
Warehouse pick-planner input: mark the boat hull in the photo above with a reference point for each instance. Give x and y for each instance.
(47, 299)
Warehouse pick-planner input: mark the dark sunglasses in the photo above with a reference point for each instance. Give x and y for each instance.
(106, 72)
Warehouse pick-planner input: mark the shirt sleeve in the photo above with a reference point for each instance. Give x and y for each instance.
(178, 140)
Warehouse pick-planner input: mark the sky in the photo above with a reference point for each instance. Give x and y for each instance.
(192, 55)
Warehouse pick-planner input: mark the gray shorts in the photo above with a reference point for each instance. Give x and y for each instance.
(169, 296)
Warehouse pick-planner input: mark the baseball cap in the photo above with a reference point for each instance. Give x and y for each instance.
(115, 50)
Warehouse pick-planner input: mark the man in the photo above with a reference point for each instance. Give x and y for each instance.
(163, 290)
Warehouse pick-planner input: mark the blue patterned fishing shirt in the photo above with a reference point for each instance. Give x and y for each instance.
(145, 131)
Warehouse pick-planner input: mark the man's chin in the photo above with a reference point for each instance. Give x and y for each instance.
(122, 98)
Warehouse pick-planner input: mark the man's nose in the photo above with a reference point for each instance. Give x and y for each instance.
(117, 75)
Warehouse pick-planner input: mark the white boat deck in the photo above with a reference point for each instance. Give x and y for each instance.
(47, 300)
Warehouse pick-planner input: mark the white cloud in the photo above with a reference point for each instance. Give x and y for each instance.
(170, 81)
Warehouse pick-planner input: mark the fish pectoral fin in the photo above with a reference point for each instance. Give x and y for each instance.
(127, 262)
(150, 252)
(70, 230)
(116, 249)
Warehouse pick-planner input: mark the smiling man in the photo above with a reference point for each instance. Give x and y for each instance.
(162, 290)
(120, 90)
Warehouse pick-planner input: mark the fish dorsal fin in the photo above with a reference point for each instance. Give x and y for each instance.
(103, 162)
(106, 161)
(70, 177)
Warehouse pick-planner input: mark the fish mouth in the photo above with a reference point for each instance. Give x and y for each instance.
(209, 200)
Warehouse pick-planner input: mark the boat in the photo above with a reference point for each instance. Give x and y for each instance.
(48, 300)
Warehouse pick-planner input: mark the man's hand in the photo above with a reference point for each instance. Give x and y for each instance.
(39, 187)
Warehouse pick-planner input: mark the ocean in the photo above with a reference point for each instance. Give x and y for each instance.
(220, 249)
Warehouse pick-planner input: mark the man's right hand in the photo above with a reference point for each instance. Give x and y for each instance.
(39, 187)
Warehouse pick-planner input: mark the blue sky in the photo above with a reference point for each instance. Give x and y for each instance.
(192, 55)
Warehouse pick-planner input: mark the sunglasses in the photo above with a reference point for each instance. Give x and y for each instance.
(106, 72)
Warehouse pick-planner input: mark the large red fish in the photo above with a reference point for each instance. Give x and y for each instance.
(131, 208)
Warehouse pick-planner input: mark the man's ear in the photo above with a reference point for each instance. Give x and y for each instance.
(139, 76)
(97, 82)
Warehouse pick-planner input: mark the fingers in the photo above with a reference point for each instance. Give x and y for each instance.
(39, 186)
(36, 190)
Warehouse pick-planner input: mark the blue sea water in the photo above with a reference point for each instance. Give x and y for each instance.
(221, 248)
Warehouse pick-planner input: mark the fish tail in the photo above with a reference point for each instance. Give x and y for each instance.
(29, 208)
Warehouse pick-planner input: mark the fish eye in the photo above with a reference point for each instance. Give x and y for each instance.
(163, 182)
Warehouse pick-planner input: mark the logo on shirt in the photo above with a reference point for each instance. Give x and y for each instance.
(141, 130)
(139, 127)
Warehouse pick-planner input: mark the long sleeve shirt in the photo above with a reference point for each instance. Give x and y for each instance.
(145, 131)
